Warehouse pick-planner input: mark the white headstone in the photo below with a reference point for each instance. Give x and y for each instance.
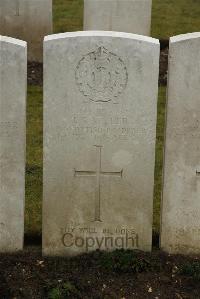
(13, 65)
(100, 98)
(29, 20)
(181, 195)
(132, 16)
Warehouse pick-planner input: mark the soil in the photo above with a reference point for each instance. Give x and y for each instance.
(29, 275)
(164, 45)
(35, 73)
(35, 69)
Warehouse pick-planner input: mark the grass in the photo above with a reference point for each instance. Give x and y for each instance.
(159, 157)
(173, 17)
(64, 290)
(34, 162)
(67, 15)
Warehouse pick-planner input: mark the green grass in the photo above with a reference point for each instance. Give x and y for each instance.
(34, 162)
(173, 17)
(63, 291)
(159, 157)
(67, 15)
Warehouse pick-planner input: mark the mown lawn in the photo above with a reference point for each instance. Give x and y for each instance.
(173, 17)
(67, 15)
(169, 17)
(159, 157)
(33, 212)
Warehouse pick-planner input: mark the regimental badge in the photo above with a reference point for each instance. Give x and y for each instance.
(101, 76)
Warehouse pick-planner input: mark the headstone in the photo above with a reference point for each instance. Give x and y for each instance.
(13, 65)
(181, 196)
(29, 20)
(100, 97)
(132, 16)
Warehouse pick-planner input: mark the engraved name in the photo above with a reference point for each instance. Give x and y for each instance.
(110, 133)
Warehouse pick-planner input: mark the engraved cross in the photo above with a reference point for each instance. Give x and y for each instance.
(98, 174)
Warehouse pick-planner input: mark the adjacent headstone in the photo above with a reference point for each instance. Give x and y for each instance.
(13, 65)
(100, 98)
(181, 196)
(29, 20)
(132, 16)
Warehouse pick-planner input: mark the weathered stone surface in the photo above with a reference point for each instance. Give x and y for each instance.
(13, 65)
(100, 98)
(29, 20)
(132, 16)
(181, 196)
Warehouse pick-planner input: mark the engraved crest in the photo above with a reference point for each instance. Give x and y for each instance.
(101, 76)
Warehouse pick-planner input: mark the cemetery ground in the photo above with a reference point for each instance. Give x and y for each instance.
(117, 275)
(121, 274)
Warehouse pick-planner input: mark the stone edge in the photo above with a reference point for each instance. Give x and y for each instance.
(184, 37)
(91, 33)
(13, 41)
